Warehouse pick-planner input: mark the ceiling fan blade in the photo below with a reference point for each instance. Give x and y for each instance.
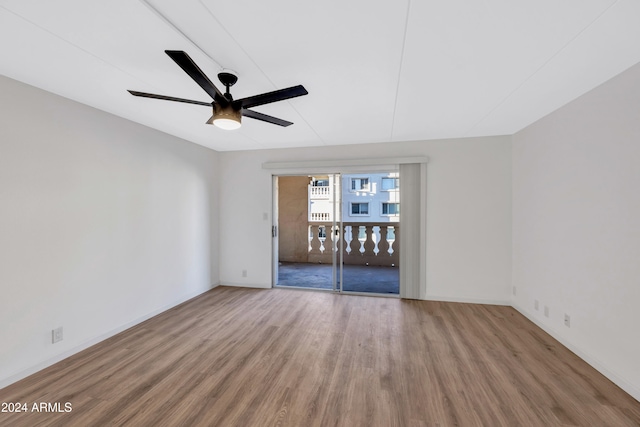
(186, 63)
(269, 97)
(168, 98)
(265, 118)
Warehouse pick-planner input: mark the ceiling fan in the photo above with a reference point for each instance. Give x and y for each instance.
(227, 112)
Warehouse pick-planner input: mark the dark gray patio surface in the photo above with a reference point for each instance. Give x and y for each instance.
(357, 278)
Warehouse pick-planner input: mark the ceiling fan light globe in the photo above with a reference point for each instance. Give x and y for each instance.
(226, 117)
(226, 123)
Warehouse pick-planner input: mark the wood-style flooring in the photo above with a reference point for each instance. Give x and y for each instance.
(246, 357)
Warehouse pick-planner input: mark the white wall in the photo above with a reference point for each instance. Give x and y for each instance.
(103, 222)
(576, 226)
(468, 213)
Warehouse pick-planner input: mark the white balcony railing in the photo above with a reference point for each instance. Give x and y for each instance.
(364, 243)
(320, 216)
(319, 192)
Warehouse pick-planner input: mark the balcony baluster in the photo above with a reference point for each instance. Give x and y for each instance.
(383, 244)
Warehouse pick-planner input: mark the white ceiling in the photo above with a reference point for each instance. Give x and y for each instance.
(375, 70)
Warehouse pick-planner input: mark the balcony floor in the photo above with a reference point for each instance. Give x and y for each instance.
(357, 278)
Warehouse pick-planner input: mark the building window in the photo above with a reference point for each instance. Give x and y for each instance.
(359, 208)
(390, 208)
(322, 232)
(390, 184)
(359, 184)
(321, 183)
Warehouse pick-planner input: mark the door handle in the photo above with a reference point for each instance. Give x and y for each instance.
(274, 231)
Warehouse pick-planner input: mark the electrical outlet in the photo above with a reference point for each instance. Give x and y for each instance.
(536, 305)
(567, 320)
(244, 273)
(56, 335)
(546, 311)
(514, 290)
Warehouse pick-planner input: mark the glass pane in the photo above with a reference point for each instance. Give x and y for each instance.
(369, 264)
(305, 250)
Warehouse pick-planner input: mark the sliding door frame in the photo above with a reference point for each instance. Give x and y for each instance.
(415, 271)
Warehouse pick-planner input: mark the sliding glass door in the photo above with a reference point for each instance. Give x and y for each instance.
(306, 241)
(338, 232)
(370, 224)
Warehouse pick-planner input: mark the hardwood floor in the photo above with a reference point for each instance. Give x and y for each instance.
(244, 357)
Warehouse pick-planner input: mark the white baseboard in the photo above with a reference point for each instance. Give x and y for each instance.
(4, 382)
(594, 362)
(246, 285)
(467, 300)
